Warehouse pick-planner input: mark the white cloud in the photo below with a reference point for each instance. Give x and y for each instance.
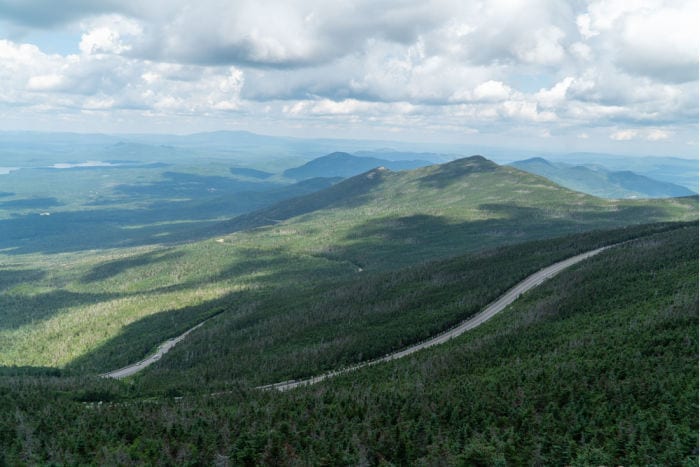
(49, 82)
(556, 95)
(99, 103)
(492, 91)
(584, 26)
(581, 51)
(607, 69)
(658, 135)
(654, 38)
(107, 34)
(623, 135)
(544, 47)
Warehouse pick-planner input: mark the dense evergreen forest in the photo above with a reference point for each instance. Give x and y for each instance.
(596, 366)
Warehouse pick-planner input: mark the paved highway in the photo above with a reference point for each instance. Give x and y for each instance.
(503, 301)
(138, 366)
(487, 313)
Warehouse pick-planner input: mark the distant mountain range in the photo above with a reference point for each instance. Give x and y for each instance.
(273, 154)
(342, 164)
(600, 181)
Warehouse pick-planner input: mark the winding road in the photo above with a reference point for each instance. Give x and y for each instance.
(162, 350)
(487, 313)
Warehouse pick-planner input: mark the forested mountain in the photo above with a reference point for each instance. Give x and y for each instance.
(342, 164)
(598, 181)
(353, 271)
(597, 366)
(374, 222)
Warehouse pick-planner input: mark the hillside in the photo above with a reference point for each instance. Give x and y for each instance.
(674, 170)
(598, 181)
(342, 164)
(597, 366)
(383, 219)
(96, 311)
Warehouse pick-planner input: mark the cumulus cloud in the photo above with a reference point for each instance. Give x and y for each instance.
(648, 134)
(624, 135)
(654, 38)
(492, 91)
(109, 34)
(608, 69)
(658, 135)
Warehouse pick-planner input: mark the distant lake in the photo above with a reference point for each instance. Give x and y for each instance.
(69, 165)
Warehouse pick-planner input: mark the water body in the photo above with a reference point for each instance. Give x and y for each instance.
(67, 165)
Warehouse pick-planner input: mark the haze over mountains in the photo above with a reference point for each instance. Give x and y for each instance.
(599, 181)
(274, 153)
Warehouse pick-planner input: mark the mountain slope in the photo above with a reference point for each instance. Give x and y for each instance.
(598, 181)
(87, 311)
(595, 367)
(342, 164)
(385, 219)
(682, 172)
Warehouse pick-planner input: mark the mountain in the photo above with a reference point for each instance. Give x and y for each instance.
(599, 181)
(363, 267)
(597, 366)
(375, 222)
(342, 164)
(466, 204)
(394, 155)
(251, 173)
(676, 170)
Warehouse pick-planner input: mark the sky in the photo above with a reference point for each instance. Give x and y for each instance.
(614, 76)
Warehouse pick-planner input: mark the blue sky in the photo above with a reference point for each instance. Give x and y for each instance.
(606, 76)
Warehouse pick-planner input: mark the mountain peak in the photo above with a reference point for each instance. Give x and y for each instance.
(474, 163)
(343, 164)
(536, 160)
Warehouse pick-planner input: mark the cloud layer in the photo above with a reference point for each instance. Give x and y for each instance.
(607, 69)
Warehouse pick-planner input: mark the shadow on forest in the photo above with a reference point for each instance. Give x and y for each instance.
(273, 270)
(156, 222)
(12, 277)
(42, 306)
(380, 244)
(138, 339)
(387, 243)
(186, 184)
(31, 203)
(112, 268)
(348, 193)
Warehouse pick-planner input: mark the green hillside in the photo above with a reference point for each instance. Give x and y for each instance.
(91, 311)
(595, 367)
(384, 219)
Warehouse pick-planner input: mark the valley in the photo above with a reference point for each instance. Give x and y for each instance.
(303, 279)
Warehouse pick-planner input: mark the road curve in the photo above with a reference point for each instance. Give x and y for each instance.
(487, 313)
(138, 366)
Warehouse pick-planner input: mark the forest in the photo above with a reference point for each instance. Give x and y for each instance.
(596, 366)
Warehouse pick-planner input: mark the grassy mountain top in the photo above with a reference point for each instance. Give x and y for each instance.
(598, 181)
